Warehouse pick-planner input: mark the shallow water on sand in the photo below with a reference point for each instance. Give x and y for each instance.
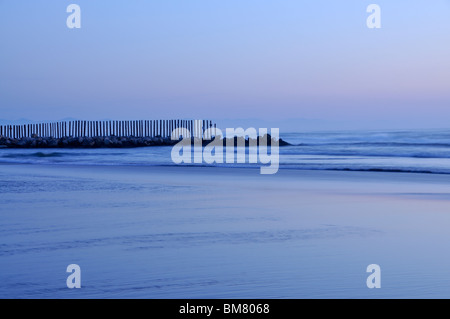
(140, 232)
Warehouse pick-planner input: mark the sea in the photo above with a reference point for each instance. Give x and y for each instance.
(424, 151)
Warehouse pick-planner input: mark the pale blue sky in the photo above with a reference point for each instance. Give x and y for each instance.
(273, 60)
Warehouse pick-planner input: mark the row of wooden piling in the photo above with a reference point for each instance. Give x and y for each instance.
(138, 128)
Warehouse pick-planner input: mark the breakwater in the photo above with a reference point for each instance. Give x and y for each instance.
(121, 142)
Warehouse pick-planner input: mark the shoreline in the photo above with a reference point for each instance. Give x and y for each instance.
(204, 227)
(344, 173)
(249, 172)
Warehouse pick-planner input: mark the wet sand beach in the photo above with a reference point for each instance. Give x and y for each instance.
(209, 232)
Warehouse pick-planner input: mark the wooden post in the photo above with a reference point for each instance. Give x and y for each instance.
(182, 128)
(170, 129)
(150, 128)
(163, 129)
(203, 128)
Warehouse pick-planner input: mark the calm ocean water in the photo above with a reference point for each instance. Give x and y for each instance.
(405, 151)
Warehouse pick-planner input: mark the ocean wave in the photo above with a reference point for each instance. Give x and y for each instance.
(414, 152)
(36, 154)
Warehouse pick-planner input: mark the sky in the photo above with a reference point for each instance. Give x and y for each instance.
(311, 64)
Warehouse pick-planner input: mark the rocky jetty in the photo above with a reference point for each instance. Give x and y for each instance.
(109, 142)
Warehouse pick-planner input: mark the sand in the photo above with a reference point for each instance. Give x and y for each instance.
(190, 232)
